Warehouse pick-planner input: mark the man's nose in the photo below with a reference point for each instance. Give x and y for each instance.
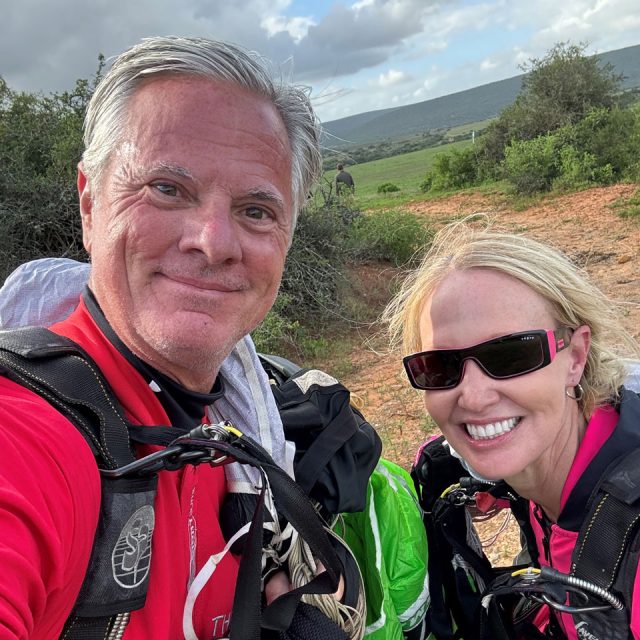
(476, 390)
(211, 229)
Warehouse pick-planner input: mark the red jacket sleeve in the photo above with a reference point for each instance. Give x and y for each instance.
(49, 505)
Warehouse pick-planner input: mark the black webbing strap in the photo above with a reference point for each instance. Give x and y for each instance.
(63, 374)
(294, 505)
(59, 371)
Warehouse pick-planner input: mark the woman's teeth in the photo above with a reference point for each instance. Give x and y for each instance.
(491, 430)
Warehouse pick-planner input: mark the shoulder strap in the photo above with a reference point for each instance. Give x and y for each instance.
(607, 551)
(61, 372)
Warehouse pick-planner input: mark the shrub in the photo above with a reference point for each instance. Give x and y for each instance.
(427, 183)
(532, 165)
(611, 136)
(576, 169)
(313, 268)
(388, 187)
(277, 328)
(393, 236)
(558, 89)
(454, 170)
(40, 145)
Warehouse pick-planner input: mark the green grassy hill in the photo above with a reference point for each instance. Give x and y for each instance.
(406, 171)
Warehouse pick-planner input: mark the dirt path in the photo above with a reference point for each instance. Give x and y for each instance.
(582, 224)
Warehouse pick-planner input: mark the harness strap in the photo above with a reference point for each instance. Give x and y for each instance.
(65, 376)
(295, 507)
(58, 370)
(606, 538)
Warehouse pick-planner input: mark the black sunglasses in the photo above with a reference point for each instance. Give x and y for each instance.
(505, 357)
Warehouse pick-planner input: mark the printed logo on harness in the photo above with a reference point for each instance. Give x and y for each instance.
(131, 557)
(583, 632)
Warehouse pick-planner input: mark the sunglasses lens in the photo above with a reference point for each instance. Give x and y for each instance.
(505, 357)
(512, 356)
(435, 370)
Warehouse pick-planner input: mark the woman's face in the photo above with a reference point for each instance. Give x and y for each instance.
(502, 428)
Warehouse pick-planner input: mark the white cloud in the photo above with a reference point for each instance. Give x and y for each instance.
(487, 64)
(393, 76)
(296, 27)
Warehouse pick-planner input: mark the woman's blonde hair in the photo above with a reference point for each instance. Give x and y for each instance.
(574, 301)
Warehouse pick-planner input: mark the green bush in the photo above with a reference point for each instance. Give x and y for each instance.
(388, 187)
(454, 170)
(558, 89)
(393, 236)
(610, 136)
(427, 183)
(599, 149)
(576, 169)
(277, 328)
(532, 165)
(40, 145)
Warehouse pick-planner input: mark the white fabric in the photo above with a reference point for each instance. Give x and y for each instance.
(204, 575)
(46, 291)
(41, 292)
(633, 379)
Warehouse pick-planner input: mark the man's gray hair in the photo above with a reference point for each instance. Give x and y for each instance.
(107, 111)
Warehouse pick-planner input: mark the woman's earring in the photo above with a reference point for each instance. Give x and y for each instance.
(577, 394)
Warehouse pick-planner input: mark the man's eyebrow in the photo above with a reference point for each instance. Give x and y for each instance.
(266, 196)
(164, 167)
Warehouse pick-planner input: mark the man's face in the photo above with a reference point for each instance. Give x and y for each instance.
(189, 229)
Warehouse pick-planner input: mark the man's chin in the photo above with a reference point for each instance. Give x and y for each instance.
(187, 345)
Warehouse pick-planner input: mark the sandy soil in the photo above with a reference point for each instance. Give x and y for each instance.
(582, 224)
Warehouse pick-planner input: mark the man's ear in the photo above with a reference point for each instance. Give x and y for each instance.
(578, 351)
(86, 207)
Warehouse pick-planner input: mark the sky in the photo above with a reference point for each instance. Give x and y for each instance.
(355, 56)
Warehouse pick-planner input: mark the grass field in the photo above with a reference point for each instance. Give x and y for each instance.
(468, 128)
(406, 171)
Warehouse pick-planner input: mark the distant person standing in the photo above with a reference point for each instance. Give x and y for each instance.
(344, 181)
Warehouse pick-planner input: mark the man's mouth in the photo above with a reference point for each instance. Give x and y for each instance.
(204, 284)
(492, 429)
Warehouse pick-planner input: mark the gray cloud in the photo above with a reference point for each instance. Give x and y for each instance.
(348, 40)
(46, 45)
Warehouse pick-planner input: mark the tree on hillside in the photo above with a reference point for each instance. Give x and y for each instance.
(40, 145)
(558, 89)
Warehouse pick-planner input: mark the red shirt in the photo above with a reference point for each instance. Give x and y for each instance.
(49, 504)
